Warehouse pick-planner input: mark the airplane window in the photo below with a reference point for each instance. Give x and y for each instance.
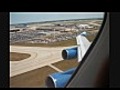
(46, 48)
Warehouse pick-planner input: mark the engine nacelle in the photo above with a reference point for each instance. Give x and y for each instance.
(59, 80)
(83, 33)
(69, 53)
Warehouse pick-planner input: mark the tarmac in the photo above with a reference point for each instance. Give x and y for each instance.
(40, 57)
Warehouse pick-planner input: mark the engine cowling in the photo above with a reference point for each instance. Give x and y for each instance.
(69, 53)
(59, 80)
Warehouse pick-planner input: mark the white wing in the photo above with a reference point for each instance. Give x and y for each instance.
(83, 44)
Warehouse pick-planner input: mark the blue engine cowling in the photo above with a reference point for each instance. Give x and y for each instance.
(69, 53)
(59, 80)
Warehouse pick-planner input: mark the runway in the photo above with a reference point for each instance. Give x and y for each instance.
(40, 57)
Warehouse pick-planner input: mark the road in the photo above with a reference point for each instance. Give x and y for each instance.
(40, 57)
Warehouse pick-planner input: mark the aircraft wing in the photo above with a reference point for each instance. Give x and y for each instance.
(83, 44)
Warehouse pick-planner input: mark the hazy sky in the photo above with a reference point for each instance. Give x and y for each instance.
(24, 17)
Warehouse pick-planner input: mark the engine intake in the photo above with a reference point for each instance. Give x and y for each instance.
(69, 53)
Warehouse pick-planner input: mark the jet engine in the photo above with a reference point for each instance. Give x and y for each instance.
(69, 53)
(59, 80)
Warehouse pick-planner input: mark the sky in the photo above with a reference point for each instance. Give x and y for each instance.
(25, 17)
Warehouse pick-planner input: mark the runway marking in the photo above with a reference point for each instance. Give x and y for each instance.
(55, 68)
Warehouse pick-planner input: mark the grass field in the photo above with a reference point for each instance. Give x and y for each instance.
(34, 78)
(14, 56)
(90, 38)
(92, 35)
(54, 44)
(66, 64)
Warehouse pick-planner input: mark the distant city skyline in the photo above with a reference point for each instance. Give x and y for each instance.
(27, 17)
